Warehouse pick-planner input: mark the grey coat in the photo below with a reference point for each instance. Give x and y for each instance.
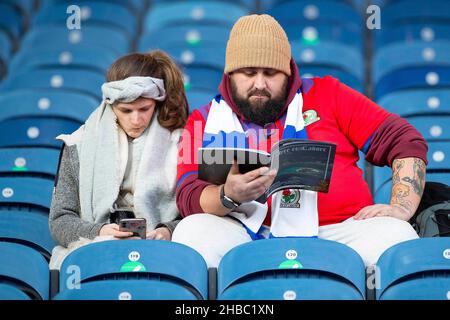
(65, 223)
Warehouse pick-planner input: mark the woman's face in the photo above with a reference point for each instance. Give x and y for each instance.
(134, 117)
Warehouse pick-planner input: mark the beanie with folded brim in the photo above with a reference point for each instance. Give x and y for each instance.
(258, 41)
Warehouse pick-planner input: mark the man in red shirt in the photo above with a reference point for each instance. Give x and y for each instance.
(260, 87)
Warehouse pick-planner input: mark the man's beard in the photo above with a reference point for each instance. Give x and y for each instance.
(262, 112)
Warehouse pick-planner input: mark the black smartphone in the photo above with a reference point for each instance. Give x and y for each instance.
(116, 216)
(136, 225)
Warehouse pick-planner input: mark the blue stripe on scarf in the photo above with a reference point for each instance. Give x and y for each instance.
(290, 132)
(233, 139)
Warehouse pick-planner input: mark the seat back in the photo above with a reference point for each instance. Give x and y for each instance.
(163, 260)
(25, 269)
(271, 258)
(413, 260)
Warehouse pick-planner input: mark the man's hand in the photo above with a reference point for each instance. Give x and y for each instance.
(159, 234)
(249, 186)
(112, 229)
(383, 210)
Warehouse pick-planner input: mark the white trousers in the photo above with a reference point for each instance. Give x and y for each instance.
(214, 236)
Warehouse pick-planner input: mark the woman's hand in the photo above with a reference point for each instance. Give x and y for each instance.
(159, 234)
(112, 229)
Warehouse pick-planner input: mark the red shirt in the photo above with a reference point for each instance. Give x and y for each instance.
(346, 118)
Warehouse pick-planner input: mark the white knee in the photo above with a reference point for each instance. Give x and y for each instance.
(383, 233)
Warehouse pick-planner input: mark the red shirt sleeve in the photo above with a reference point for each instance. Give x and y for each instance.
(396, 138)
(189, 187)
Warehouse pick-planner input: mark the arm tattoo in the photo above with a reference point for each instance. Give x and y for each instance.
(398, 164)
(399, 192)
(418, 180)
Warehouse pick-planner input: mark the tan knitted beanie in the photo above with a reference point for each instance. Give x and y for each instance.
(258, 41)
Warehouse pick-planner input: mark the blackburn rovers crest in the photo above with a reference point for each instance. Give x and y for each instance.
(290, 198)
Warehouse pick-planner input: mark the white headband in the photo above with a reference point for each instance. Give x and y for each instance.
(129, 89)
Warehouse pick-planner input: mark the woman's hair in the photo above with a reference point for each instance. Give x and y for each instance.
(173, 111)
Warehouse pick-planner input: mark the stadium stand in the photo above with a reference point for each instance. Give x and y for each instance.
(50, 78)
(57, 36)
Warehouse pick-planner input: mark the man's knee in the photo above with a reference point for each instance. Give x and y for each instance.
(189, 227)
(395, 230)
(385, 232)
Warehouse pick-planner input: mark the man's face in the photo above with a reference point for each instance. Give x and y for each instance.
(259, 93)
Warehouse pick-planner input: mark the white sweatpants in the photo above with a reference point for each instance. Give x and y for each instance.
(214, 236)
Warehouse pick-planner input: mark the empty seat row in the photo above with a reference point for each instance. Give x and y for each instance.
(272, 269)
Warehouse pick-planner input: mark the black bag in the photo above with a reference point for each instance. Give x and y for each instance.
(432, 217)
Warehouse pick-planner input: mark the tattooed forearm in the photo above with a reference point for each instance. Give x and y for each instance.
(418, 179)
(400, 193)
(408, 182)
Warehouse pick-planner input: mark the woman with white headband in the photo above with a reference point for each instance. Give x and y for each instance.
(123, 158)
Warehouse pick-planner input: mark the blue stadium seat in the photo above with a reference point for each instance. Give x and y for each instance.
(324, 55)
(25, 269)
(92, 14)
(35, 131)
(407, 11)
(438, 155)
(314, 32)
(358, 5)
(11, 20)
(46, 102)
(184, 12)
(198, 97)
(344, 77)
(415, 270)
(294, 12)
(438, 169)
(90, 57)
(134, 5)
(29, 228)
(201, 78)
(29, 161)
(412, 79)
(10, 292)
(161, 261)
(82, 81)
(190, 35)
(57, 36)
(411, 33)
(5, 46)
(432, 127)
(291, 268)
(403, 55)
(249, 4)
(417, 102)
(26, 192)
(210, 56)
(24, 5)
(126, 290)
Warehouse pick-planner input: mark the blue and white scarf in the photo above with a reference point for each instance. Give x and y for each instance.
(294, 212)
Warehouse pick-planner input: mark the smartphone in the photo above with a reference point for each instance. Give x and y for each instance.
(136, 225)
